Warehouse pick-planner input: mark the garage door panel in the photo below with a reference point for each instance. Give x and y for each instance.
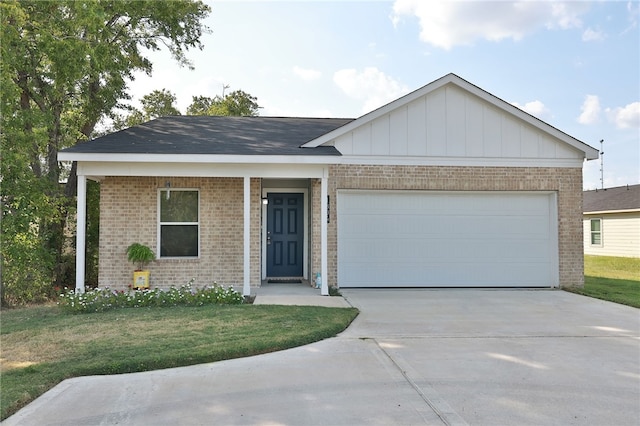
(445, 239)
(452, 225)
(403, 250)
(448, 274)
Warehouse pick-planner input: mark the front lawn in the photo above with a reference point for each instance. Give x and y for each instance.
(41, 346)
(616, 279)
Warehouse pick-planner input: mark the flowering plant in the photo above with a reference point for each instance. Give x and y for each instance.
(103, 299)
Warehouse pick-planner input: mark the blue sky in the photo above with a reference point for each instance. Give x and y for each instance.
(575, 65)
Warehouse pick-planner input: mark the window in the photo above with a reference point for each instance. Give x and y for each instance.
(596, 232)
(179, 223)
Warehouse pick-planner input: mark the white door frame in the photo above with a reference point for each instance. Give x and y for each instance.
(305, 214)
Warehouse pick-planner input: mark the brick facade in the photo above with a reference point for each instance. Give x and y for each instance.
(566, 182)
(129, 213)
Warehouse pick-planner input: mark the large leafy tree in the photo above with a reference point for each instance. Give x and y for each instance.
(236, 103)
(158, 103)
(64, 66)
(161, 103)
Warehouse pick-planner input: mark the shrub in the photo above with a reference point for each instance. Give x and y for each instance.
(103, 299)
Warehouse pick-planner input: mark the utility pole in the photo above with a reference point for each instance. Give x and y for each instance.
(601, 163)
(224, 87)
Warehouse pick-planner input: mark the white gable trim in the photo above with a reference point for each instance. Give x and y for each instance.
(589, 152)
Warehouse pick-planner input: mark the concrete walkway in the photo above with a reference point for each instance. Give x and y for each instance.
(296, 294)
(412, 357)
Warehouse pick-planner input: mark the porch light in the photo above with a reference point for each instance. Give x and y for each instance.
(265, 200)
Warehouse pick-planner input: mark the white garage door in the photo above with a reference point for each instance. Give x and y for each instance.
(447, 239)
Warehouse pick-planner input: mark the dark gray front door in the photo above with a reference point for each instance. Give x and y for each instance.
(284, 234)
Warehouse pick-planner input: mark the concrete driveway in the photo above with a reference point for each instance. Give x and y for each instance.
(412, 357)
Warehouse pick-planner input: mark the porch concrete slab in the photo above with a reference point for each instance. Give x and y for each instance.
(457, 357)
(296, 294)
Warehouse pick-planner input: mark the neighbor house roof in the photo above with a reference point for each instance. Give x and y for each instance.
(621, 198)
(215, 135)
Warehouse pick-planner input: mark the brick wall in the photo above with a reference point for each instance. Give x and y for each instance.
(567, 182)
(128, 214)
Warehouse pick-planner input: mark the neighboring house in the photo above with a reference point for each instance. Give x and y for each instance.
(448, 186)
(611, 221)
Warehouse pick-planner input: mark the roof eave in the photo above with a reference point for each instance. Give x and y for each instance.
(634, 210)
(196, 158)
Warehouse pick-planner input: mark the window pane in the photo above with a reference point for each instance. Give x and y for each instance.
(178, 240)
(595, 238)
(182, 206)
(595, 224)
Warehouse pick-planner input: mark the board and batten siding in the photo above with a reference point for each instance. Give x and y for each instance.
(620, 233)
(450, 122)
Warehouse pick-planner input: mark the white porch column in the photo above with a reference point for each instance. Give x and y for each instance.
(324, 209)
(81, 232)
(246, 287)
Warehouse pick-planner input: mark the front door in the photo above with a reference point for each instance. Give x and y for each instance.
(285, 236)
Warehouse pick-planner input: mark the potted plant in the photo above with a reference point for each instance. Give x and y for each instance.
(140, 255)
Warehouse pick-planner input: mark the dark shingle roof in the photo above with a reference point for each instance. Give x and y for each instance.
(216, 135)
(619, 198)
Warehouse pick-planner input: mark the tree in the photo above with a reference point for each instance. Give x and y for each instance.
(200, 105)
(236, 103)
(156, 104)
(160, 103)
(65, 65)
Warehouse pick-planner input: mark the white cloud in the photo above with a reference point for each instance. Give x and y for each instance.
(590, 110)
(371, 85)
(592, 35)
(565, 15)
(307, 74)
(449, 23)
(625, 117)
(633, 13)
(535, 108)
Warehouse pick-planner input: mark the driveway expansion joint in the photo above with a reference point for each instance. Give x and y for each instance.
(439, 406)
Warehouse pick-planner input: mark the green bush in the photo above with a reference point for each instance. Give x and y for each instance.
(104, 299)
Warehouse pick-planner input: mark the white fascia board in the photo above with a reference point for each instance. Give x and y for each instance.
(99, 169)
(196, 158)
(589, 152)
(284, 171)
(462, 161)
(611, 211)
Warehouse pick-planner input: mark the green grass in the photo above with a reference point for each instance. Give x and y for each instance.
(616, 279)
(41, 346)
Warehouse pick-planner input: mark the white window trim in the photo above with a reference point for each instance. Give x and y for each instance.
(591, 232)
(160, 223)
